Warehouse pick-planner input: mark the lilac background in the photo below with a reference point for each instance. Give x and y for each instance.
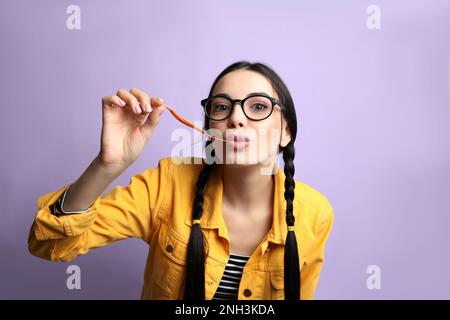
(373, 116)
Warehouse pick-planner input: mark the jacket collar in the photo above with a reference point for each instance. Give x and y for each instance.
(212, 207)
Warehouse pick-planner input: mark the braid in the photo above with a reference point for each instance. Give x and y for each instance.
(291, 257)
(195, 268)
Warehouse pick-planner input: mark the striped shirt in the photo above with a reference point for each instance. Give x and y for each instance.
(229, 284)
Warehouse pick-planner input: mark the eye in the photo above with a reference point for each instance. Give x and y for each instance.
(221, 107)
(259, 107)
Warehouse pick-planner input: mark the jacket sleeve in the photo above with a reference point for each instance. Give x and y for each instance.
(314, 261)
(124, 212)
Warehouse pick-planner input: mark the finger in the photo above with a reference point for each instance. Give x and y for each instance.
(131, 102)
(112, 101)
(116, 101)
(143, 98)
(154, 117)
(151, 121)
(158, 106)
(157, 102)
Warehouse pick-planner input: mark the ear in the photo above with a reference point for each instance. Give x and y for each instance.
(286, 136)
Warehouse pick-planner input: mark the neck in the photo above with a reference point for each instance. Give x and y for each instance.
(245, 189)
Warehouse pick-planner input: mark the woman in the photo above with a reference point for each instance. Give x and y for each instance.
(223, 227)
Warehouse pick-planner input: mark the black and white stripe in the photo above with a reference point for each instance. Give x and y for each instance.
(229, 284)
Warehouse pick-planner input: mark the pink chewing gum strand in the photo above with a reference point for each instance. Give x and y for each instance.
(191, 125)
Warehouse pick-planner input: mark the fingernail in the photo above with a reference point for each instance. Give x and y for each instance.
(138, 109)
(147, 107)
(122, 103)
(159, 99)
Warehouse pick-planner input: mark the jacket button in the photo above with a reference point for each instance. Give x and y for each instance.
(169, 248)
(247, 293)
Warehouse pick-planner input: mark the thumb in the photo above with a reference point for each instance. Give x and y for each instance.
(153, 119)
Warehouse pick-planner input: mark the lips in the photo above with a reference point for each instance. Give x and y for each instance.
(240, 138)
(239, 142)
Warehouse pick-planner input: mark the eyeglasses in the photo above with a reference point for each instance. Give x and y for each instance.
(256, 106)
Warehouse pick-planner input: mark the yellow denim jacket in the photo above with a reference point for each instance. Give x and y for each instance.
(156, 207)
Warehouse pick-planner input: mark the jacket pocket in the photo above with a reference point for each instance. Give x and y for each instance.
(170, 266)
(173, 247)
(277, 284)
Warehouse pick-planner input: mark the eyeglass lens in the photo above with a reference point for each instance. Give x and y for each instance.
(255, 108)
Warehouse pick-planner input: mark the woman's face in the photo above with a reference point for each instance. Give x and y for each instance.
(263, 135)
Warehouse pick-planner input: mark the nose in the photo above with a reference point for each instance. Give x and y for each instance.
(237, 117)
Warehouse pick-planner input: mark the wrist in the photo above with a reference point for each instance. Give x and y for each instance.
(109, 169)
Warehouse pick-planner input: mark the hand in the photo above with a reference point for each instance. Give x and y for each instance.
(129, 118)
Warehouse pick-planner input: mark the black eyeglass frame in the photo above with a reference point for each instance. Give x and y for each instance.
(274, 102)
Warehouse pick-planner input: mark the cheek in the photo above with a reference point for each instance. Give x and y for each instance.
(220, 125)
(268, 133)
(268, 139)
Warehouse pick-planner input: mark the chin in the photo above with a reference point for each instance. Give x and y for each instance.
(247, 160)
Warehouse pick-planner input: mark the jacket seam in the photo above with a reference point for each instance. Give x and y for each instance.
(38, 232)
(161, 212)
(67, 226)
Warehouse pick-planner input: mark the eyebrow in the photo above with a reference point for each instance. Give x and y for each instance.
(228, 96)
